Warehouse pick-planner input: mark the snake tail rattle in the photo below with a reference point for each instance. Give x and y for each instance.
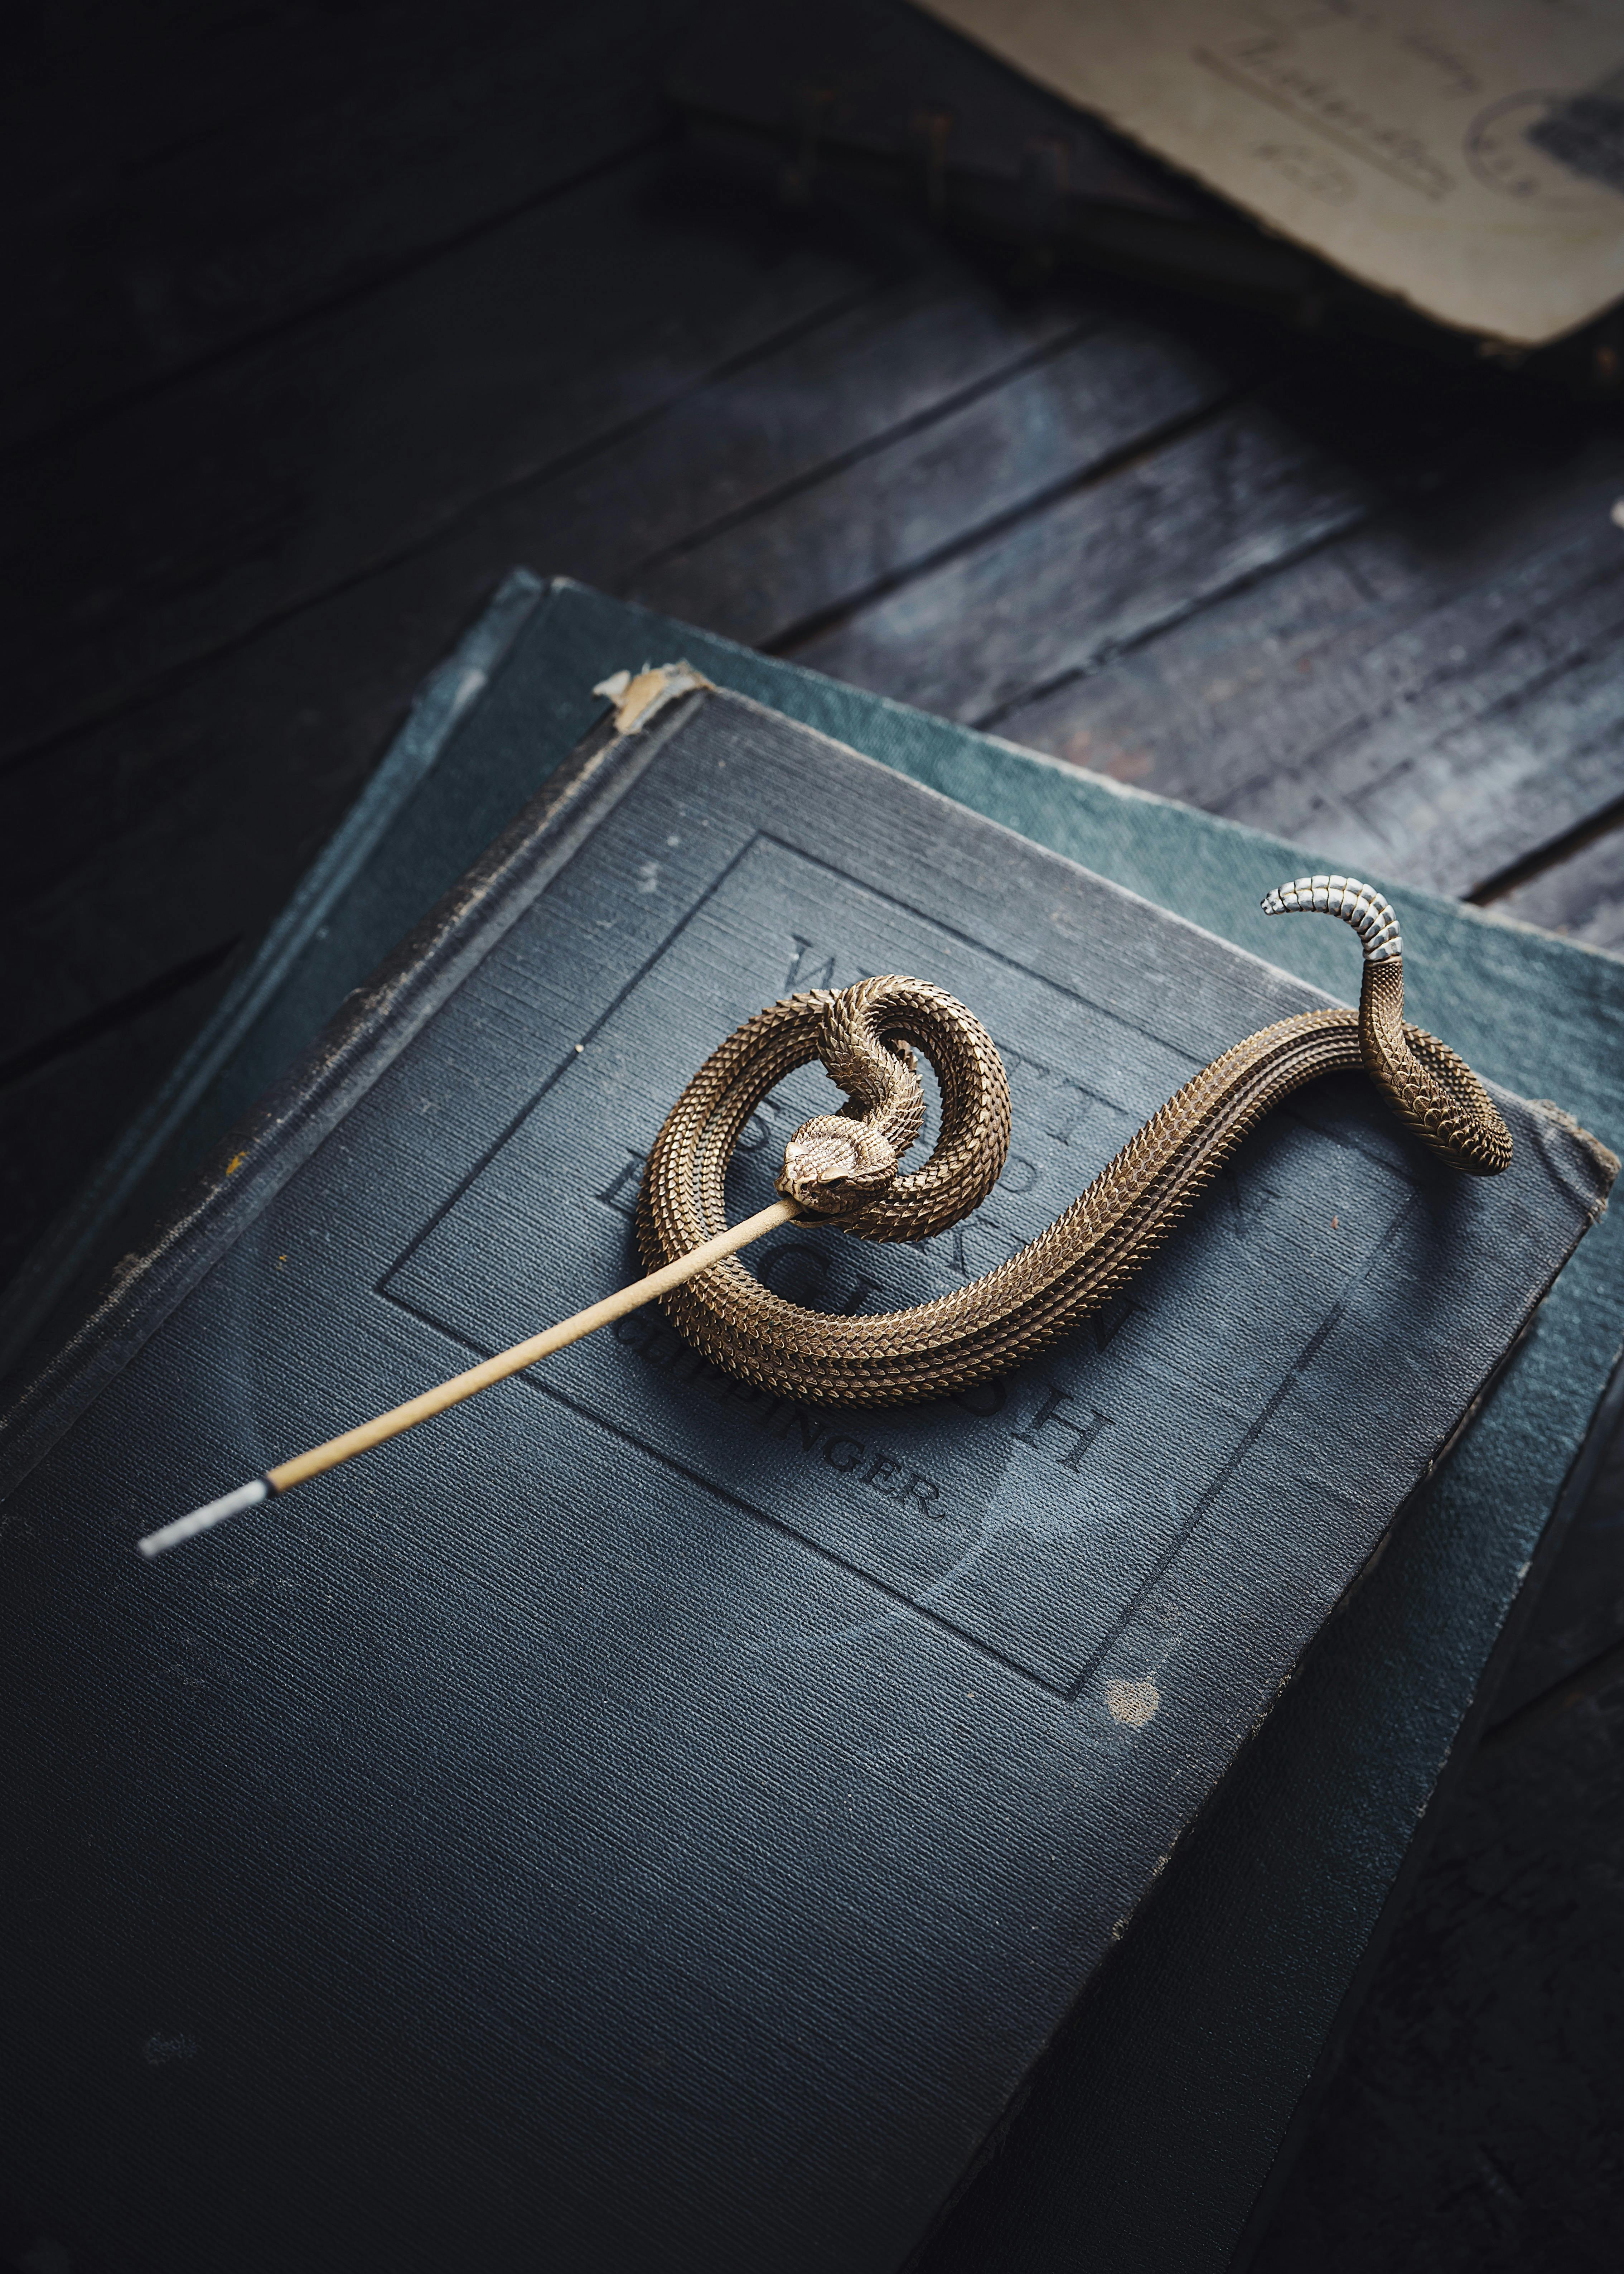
(844, 1169)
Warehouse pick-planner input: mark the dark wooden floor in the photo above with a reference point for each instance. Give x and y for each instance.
(323, 317)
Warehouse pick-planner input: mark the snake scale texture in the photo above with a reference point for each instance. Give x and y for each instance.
(845, 1166)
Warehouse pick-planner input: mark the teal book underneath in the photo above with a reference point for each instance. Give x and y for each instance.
(1148, 2129)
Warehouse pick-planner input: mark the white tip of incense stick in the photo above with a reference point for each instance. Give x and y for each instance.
(378, 1431)
(202, 1519)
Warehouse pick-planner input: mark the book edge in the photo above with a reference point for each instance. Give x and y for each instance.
(438, 708)
(255, 1159)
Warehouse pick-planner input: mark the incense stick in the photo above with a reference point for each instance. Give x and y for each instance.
(286, 1474)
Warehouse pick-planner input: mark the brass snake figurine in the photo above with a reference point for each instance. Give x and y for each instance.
(845, 1166)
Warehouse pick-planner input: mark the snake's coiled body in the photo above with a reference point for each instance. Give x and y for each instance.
(845, 1166)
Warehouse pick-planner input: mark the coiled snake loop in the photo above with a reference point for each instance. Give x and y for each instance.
(845, 1166)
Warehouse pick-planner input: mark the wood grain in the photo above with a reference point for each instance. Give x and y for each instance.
(1471, 2129)
(874, 517)
(1112, 562)
(311, 698)
(1582, 896)
(179, 193)
(1428, 700)
(1580, 1615)
(186, 521)
(58, 1120)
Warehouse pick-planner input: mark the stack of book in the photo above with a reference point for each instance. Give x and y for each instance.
(635, 1822)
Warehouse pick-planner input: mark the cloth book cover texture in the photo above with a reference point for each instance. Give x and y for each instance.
(633, 1819)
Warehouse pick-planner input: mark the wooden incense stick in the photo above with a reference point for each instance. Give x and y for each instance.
(286, 1474)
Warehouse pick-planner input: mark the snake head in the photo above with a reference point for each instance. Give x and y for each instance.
(832, 1164)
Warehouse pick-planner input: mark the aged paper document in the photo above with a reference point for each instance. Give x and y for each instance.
(1466, 155)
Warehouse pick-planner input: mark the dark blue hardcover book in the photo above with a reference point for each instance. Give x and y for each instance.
(634, 1823)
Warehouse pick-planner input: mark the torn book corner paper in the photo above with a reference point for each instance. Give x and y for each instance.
(637, 697)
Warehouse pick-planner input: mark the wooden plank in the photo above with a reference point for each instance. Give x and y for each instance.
(58, 1120)
(252, 755)
(1582, 896)
(184, 521)
(1430, 699)
(1580, 1615)
(1473, 2125)
(881, 513)
(1107, 564)
(855, 387)
(115, 808)
(189, 818)
(192, 815)
(192, 186)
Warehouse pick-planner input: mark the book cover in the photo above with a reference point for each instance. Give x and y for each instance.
(633, 1816)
